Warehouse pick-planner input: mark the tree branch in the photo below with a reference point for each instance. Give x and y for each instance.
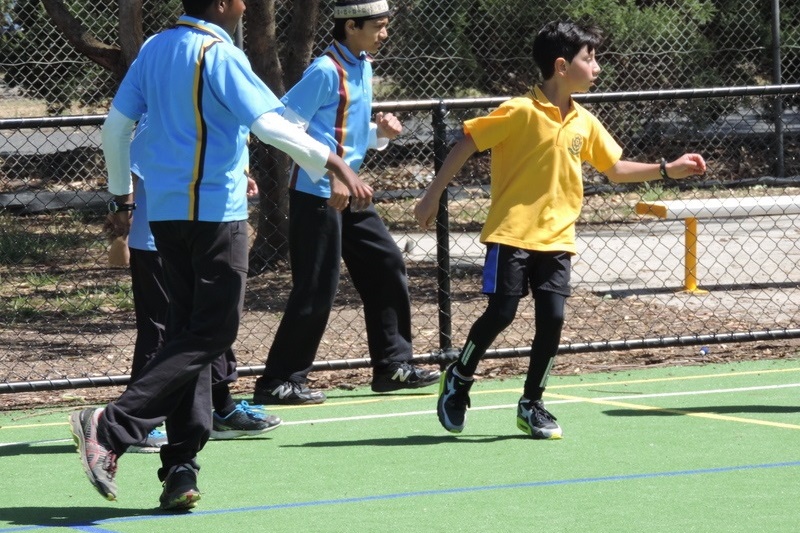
(108, 57)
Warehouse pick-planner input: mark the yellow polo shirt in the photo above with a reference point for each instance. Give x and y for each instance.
(536, 181)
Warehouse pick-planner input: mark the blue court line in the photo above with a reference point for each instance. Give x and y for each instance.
(95, 528)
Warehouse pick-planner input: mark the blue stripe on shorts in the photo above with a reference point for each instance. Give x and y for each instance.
(490, 268)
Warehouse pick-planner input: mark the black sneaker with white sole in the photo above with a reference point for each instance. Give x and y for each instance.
(399, 376)
(286, 393)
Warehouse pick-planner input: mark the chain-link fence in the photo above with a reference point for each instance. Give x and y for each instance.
(67, 317)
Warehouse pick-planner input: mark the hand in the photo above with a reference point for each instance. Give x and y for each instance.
(685, 166)
(340, 196)
(425, 211)
(108, 226)
(360, 192)
(118, 224)
(252, 187)
(389, 126)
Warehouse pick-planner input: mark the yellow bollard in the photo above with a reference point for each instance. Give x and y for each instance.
(690, 258)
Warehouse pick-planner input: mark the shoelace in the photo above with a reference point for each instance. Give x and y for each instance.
(541, 412)
(110, 464)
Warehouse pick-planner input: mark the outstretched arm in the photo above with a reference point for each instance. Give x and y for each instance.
(310, 154)
(632, 172)
(425, 211)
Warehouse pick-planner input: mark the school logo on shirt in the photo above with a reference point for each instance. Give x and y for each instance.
(576, 145)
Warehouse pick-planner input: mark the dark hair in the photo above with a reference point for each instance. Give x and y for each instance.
(338, 27)
(563, 39)
(194, 8)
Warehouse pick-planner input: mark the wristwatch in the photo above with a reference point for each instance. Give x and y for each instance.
(662, 168)
(114, 207)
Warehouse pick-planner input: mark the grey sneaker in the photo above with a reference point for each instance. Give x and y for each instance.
(451, 408)
(286, 393)
(244, 421)
(151, 444)
(99, 463)
(536, 421)
(180, 489)
(402, 376)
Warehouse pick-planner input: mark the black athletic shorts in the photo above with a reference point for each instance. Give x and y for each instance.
(511, 271)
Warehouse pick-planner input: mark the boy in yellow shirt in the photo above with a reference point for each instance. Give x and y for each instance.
(539, 142)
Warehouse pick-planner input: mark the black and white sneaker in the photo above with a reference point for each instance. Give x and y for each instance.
(402, 376)
(536, 421)
(451, 407)
(287, 393)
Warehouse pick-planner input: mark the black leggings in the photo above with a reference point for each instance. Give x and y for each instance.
(549, 319)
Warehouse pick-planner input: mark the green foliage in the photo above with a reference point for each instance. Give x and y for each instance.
(645, 44)
(423, 52)
(460, 47)
(649, 44)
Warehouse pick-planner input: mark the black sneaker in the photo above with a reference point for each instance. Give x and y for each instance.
(244, 421)
(536, 421)
(180, 489)
(287, 393)
(451, 408)
(402, 376)
(99, 462)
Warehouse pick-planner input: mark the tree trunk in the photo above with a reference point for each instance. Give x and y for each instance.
(268, 166)
(302, 31)
(131, 34)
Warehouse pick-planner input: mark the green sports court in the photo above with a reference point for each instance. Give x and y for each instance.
(700, 448)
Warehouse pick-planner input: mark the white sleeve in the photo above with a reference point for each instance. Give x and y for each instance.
(116, 139)
(295, 119)
(289, 137)
(375, 142)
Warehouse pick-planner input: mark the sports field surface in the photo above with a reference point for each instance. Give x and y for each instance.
(711, 448)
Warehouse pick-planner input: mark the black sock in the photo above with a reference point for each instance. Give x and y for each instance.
(222, 401)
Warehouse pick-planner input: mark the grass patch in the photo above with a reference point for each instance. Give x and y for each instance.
(60, 239)
(56, 296)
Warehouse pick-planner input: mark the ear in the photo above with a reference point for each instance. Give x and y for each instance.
(561, 66)
(349, 26)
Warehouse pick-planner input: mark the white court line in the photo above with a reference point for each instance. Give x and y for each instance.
(491, 407)
(549, 402)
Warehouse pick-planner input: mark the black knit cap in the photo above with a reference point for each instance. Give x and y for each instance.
(361, 9)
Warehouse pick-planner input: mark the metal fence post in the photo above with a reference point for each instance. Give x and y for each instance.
(777, 74)
(442, 233)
